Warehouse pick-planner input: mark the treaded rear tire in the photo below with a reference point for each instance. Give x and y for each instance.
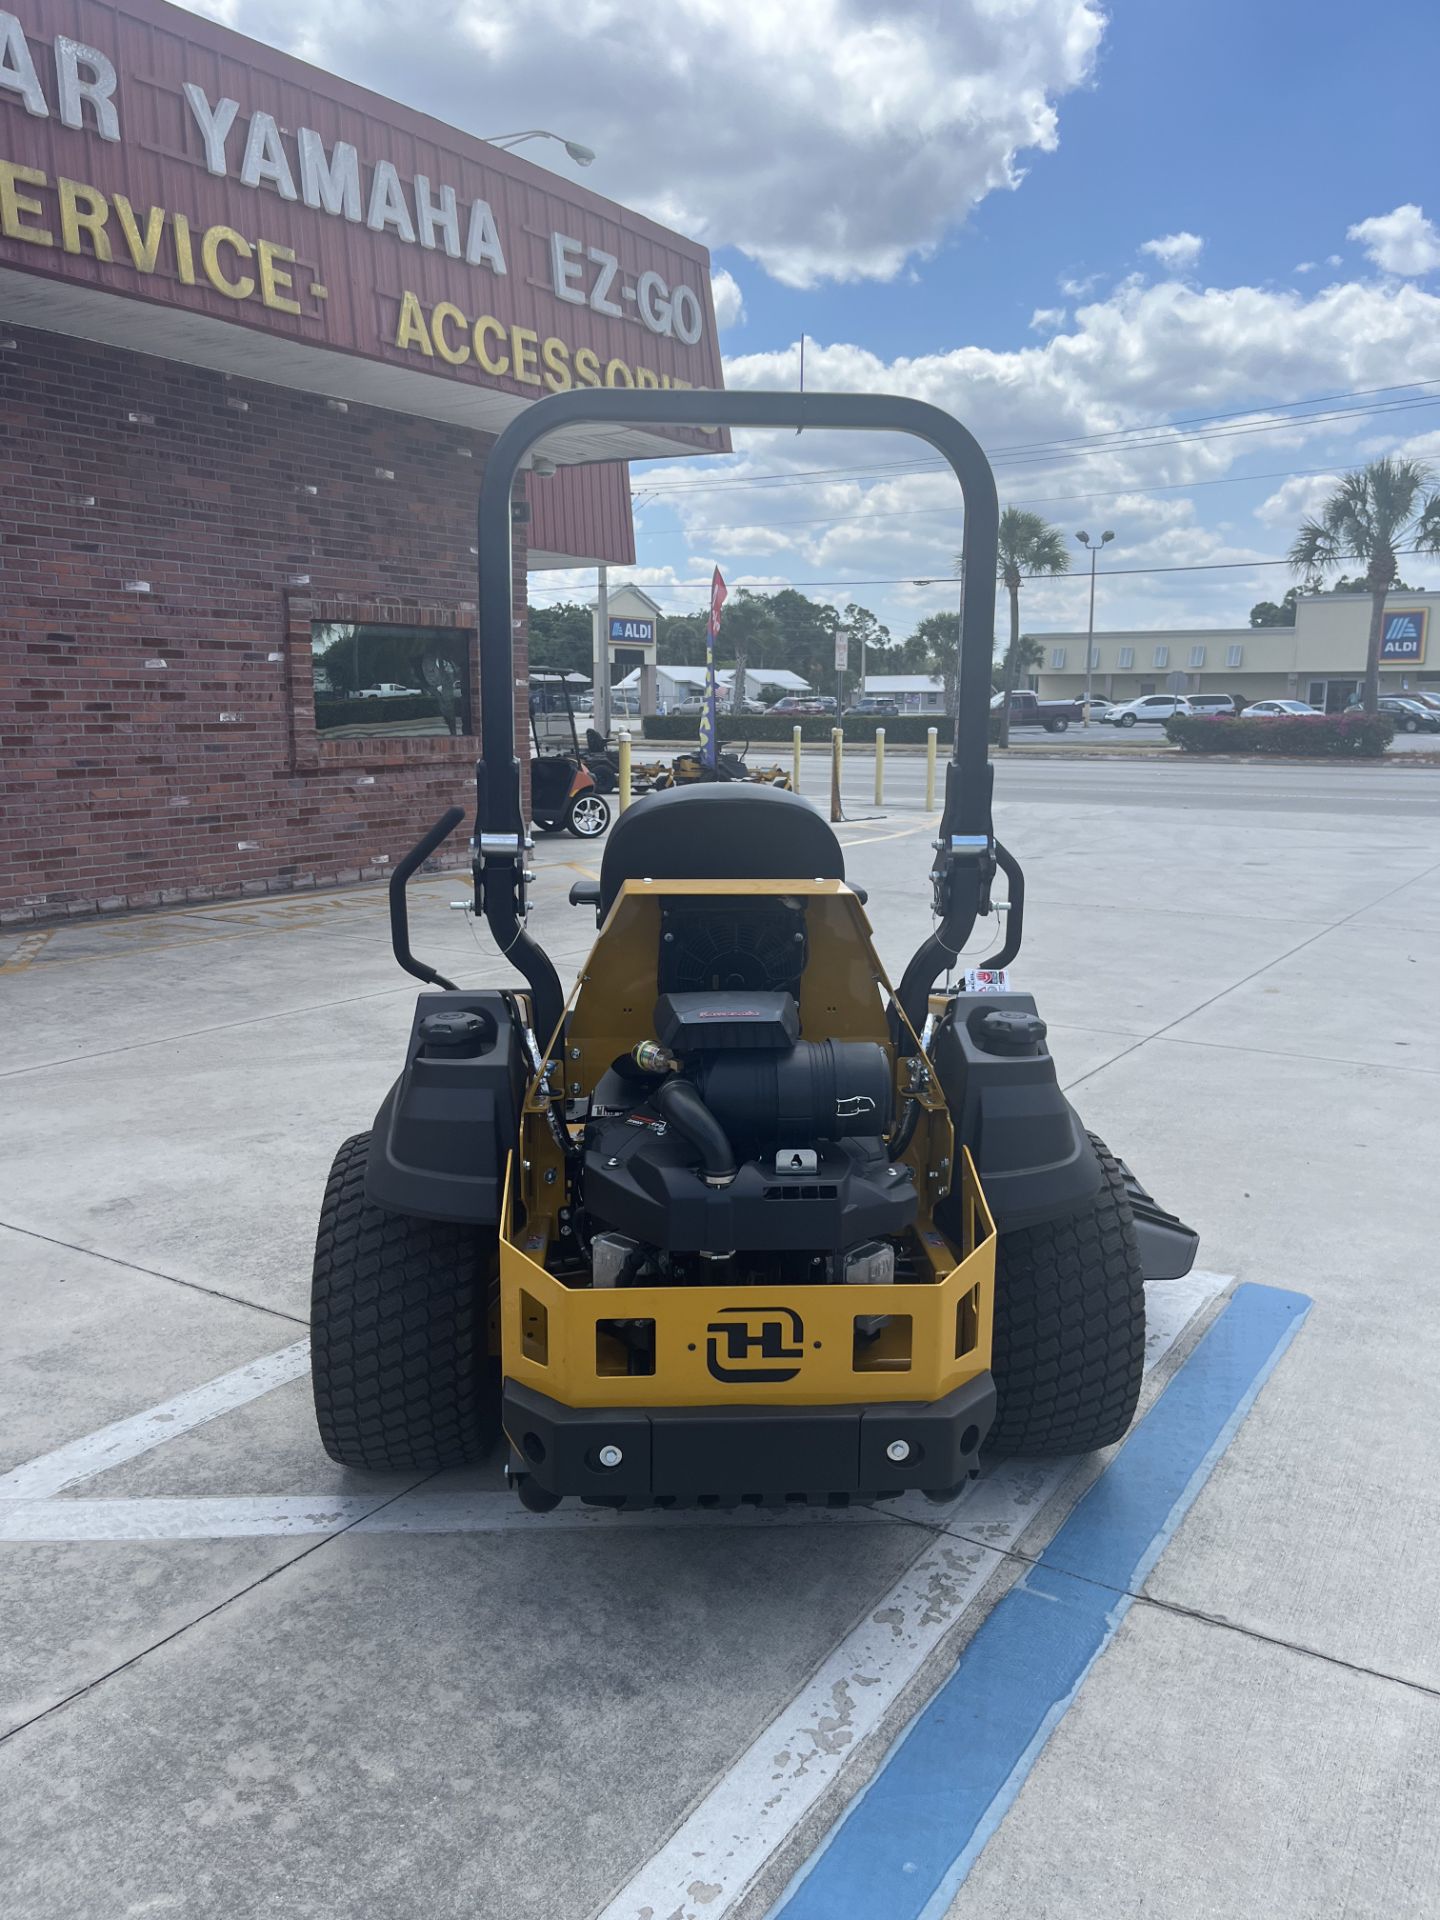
(399, 1310)
(1069, 1339)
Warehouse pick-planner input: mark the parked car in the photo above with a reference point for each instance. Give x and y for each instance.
(723, 704)
(386, 690)
(1409, 715)
(1277, 708)
(1151, 708)
(1425, 698)
(800, 703)
(872, 708)
(1027, 709)
(1100, 706)
(1212, 703)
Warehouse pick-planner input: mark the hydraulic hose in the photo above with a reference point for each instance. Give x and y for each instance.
(680, 1106)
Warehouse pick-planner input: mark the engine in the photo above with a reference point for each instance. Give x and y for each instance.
(730, 1147)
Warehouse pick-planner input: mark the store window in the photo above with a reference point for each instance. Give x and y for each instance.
(373, 681)
(1125, 659)
(1197, 656)
(1057, 658)
(1235, 656)
(1162, 657)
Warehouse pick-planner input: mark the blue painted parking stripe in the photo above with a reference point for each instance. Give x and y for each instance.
(908, 1840)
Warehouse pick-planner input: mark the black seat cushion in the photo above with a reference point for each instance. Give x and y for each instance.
(728, 831)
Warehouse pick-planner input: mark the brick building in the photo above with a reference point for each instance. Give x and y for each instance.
(258, 330)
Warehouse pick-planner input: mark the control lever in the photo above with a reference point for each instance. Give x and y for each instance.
(399, 913)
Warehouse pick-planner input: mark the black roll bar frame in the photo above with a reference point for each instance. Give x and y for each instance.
(965, 851)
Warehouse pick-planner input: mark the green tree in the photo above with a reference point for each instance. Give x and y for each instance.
(1028, 546)
(1385, 508)
(1266, 613)
(934, 647)
(562, 638)
(749, 631)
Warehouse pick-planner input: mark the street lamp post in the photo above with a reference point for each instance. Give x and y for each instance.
(1084, 540)
(581, 155)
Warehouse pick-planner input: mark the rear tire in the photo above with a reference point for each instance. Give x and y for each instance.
(398, 1331)
(1069, 1340)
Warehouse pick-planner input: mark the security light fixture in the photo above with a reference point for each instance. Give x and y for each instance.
(582, 156)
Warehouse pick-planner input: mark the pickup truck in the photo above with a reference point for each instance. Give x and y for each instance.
(1028, 710)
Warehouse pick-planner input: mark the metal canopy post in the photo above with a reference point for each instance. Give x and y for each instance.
(965, 861)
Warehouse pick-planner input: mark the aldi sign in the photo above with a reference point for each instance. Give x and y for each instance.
(632, 633)
(1402, 638)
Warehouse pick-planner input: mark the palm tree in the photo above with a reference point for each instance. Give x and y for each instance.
(1028, 546)
(1385, 509)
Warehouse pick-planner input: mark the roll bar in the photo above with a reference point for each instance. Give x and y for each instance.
(965, 851)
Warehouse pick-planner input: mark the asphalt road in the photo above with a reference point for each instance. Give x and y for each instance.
(1386, 788)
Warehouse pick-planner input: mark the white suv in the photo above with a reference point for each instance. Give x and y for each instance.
(1150, 706)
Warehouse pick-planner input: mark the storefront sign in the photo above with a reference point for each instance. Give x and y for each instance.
(155, 158)
(1402, 637)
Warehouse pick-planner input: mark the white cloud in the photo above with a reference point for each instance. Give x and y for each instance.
(1075, 287)
(729, 301)
(1298, 499)
(1146, 353)
(1048, 319)
(1175, 250)
(1305, 266)
(1403, 241)
(830, 139)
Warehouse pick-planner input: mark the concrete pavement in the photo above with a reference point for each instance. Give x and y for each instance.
(1236, 967)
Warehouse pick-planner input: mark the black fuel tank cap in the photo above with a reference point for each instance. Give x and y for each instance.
(459, 1033)
(1013, 1032)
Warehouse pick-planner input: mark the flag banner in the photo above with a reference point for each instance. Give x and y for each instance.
(709, 729)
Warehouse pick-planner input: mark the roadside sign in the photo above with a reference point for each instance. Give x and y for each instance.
(632, 633)
(842, 652)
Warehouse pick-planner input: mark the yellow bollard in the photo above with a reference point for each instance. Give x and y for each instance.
(795, 759)
(879, 766)
(837, 744)
(624, 768)
(932, 737)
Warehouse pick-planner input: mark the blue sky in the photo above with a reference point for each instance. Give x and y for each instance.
(1057, 219)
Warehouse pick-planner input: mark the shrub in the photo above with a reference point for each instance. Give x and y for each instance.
(1308, 736)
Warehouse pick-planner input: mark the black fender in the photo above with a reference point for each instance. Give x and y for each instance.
(1030, 1148)
(1033, 1156)
(445, 1131)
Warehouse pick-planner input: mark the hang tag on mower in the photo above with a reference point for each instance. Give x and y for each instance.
(988, 980)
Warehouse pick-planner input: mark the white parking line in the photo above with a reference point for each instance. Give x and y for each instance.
(723, 1844)
(205, 1517)
(127, 1439)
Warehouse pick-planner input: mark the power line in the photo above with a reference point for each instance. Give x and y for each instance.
(1033, 500)
(1120, 440)
(931, 580)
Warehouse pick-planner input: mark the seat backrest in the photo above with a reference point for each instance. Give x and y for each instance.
(730, 831)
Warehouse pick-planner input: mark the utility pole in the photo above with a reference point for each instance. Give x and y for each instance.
(1084, 540)
(602, 653)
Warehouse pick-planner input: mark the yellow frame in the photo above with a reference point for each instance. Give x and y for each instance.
(729, 1345)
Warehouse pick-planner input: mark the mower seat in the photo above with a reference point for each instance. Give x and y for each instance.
(721, 832)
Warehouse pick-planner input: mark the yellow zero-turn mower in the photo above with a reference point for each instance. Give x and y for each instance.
(739, 1221)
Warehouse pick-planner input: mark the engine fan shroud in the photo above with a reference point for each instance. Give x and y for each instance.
(758, 947)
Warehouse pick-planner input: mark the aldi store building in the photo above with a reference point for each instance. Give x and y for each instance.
(258, 330)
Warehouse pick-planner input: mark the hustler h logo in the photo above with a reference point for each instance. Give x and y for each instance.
(753, 1344)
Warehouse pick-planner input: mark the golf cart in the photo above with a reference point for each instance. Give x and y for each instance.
(738, 1221)
(565, 794)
